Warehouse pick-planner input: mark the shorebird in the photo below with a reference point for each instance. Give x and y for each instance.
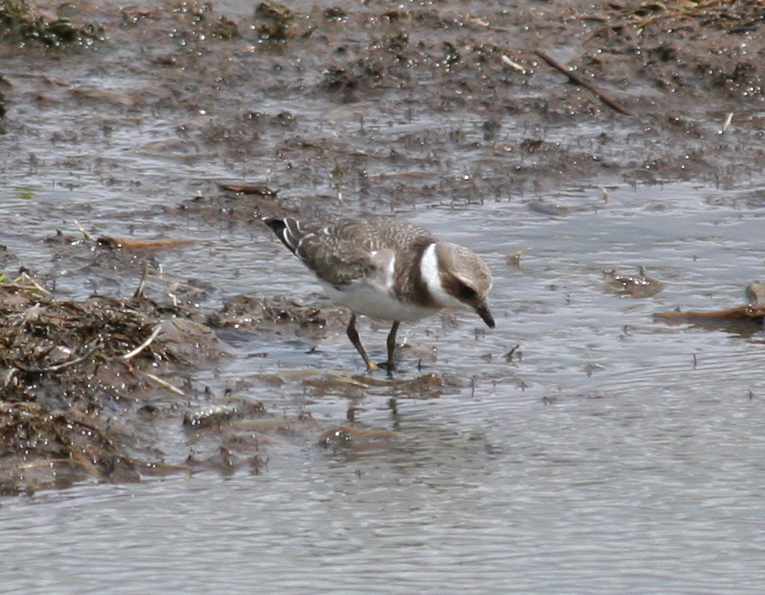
(388, 269)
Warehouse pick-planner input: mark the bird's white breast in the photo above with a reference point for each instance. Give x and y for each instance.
(372, 299)
(375, 295)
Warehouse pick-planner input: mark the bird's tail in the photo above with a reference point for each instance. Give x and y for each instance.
(288, 230)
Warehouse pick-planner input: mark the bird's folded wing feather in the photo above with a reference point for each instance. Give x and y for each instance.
(335, 261)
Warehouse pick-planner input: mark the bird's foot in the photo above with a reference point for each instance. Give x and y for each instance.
(388, 366)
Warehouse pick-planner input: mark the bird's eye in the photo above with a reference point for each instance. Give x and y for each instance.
(465, 292)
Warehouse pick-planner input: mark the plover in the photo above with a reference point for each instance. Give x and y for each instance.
(388, 269)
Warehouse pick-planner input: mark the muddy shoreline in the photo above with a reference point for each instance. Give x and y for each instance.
(323, 110)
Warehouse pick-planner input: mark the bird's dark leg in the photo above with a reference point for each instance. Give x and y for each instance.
(391, 365)
(353, 335)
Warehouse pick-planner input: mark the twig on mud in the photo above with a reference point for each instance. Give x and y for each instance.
(165, 384)
(513, 64)
(142, 284)
(128, 356)
(580, 80)
(140, 244)
(24, 277)
(9, 376)
(509, 355)
(480, 22)
(57, 367)
(43, 463)
(175, 285)
(514, 259)
(45, 77)
(260, 190)
(726, 123)
(84, 231)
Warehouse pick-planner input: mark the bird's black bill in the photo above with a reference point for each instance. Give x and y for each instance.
(483, 311)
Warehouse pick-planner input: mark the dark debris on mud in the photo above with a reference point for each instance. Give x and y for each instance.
(468, 78)
(69, 371)
(745, 320)
(27, 23)
(94, 388)
(267, 314)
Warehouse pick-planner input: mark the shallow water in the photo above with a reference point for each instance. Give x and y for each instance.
(624, 494)
(611, 454)
(603, 461)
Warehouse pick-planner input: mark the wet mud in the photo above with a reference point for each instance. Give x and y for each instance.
(314, 109)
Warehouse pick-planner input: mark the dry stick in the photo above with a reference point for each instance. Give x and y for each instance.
(34, 283)
(84, 231)
(165, 384)
(143, 345)
(142, 285)
(578, 79)
(174, 285)
(56, 368)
